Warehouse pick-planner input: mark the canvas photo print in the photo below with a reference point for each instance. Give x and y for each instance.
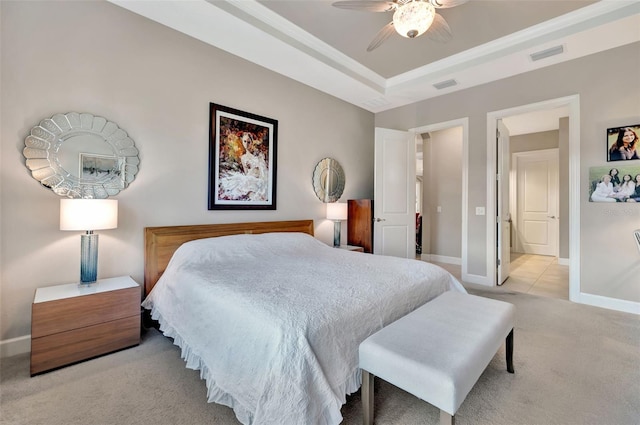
(614, 184)
(622, 143)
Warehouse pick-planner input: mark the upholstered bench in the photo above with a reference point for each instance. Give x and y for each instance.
(438, 351)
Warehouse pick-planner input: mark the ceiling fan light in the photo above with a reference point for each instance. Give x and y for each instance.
(414, 18)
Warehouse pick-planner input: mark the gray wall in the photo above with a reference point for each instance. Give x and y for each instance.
(156, 84)
(534, 141)
(442, 187)
(609, 97)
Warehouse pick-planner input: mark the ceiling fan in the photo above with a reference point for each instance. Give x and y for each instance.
(411, 18)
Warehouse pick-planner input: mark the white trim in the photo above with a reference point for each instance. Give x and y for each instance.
(477, 279)
(464, 123)
(441, 259)
(573, 103)
(574, 198)
(609, 303)
(563, 261)
(14, 346)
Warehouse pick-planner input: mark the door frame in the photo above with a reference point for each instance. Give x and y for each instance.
(503, 211)
(573, 104)
(464, 123)
(514, 193)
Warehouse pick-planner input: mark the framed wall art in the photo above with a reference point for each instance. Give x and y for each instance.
(615, 184)
(242, 160)
(95, 167)
(622, 143)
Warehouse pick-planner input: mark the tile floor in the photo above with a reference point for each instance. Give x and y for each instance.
(538, 275)
(533, 274)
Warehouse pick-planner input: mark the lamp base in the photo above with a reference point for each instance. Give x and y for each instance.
(88, 258)
(336, 233)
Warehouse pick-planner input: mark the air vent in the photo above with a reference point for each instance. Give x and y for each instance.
(444, 84)
(546, 53)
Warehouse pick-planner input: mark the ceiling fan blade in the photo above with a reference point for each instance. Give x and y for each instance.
(382, 35)
(366, 5)
(439, 30)
(444, 4)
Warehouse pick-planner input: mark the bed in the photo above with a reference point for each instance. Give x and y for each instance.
(272, 317)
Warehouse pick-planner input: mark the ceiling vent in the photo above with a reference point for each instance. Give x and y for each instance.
(546, 53)
(444, 84)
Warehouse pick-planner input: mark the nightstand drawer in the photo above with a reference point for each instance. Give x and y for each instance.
(62, 315)
(63, 348)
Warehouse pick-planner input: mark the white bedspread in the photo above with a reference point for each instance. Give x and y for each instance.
(273, 321)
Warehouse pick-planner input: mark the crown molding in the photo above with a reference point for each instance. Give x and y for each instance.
(265, 38)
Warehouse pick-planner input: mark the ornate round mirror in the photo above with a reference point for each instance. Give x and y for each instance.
(81, 156)
(328, 180)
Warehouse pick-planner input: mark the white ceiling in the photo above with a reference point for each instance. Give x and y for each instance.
(324, 47)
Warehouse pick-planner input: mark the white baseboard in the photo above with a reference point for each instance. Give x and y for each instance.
(477, 279)
(14, 346)
(563, 261)
(441, 259)
(610, 303)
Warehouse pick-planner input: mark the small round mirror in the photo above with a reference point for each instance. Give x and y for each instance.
(328, 180)
(81, 156)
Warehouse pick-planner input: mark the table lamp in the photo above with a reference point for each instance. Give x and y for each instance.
(336, 211)
(88, 215)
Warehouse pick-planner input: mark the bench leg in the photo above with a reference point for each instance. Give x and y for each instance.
(447, 419)
(367, 397)
(509, 350)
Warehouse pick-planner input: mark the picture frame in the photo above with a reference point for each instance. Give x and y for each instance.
(614, 190)
(619, 145)
(97, 167)
(242, 160)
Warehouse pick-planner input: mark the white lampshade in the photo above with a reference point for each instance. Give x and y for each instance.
(413, 19)
(88, 214)
(337, 211)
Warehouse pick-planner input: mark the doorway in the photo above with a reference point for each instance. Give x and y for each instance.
(460, 192)
(571, 103)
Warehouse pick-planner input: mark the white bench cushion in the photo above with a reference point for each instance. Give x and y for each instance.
(439, 351)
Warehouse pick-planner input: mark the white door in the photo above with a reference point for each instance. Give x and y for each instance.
(503, 218)
(537, 177)
(394, 230)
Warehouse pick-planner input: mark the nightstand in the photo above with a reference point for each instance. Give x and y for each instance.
(72, 322)
(352, 248)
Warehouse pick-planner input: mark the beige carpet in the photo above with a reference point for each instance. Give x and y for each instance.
(574, 364)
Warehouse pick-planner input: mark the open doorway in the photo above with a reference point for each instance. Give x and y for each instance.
(565, 108)
(444, 195)
(536, 176)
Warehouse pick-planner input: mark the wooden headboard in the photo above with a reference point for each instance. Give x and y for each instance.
(161, 242)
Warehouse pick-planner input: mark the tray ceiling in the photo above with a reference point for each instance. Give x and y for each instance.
(325, 47)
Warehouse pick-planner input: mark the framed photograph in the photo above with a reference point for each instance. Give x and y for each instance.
(95, 167)
(622, 143)
(615, 184)
(242, 160)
